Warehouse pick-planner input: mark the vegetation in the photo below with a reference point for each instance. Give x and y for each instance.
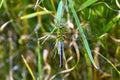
(80, 36)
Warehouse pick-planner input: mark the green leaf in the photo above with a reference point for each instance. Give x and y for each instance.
(59, 13)
(39, 61)
(86, 4)
(1, 3)
(35, 14)
(28, 67)
(114, 66)
(82, 33)
(111, 23)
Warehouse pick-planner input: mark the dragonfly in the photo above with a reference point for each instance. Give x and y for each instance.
(62, 35)
(60, 47)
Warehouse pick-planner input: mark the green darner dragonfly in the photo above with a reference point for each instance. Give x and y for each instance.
(60, 35)
(60, 47)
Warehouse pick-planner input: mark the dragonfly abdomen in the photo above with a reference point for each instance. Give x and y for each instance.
(60, 51)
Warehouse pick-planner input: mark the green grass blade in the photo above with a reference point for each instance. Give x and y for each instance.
(53, 5)
(86, 4)
(82, 33)
(109, 63)
(39, 60)
(28, 67)
(17, 29)
(1, 3)
(59, 13)
(111, 23)
(35, 14)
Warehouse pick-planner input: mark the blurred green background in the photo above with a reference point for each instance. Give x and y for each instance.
(25, 25)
